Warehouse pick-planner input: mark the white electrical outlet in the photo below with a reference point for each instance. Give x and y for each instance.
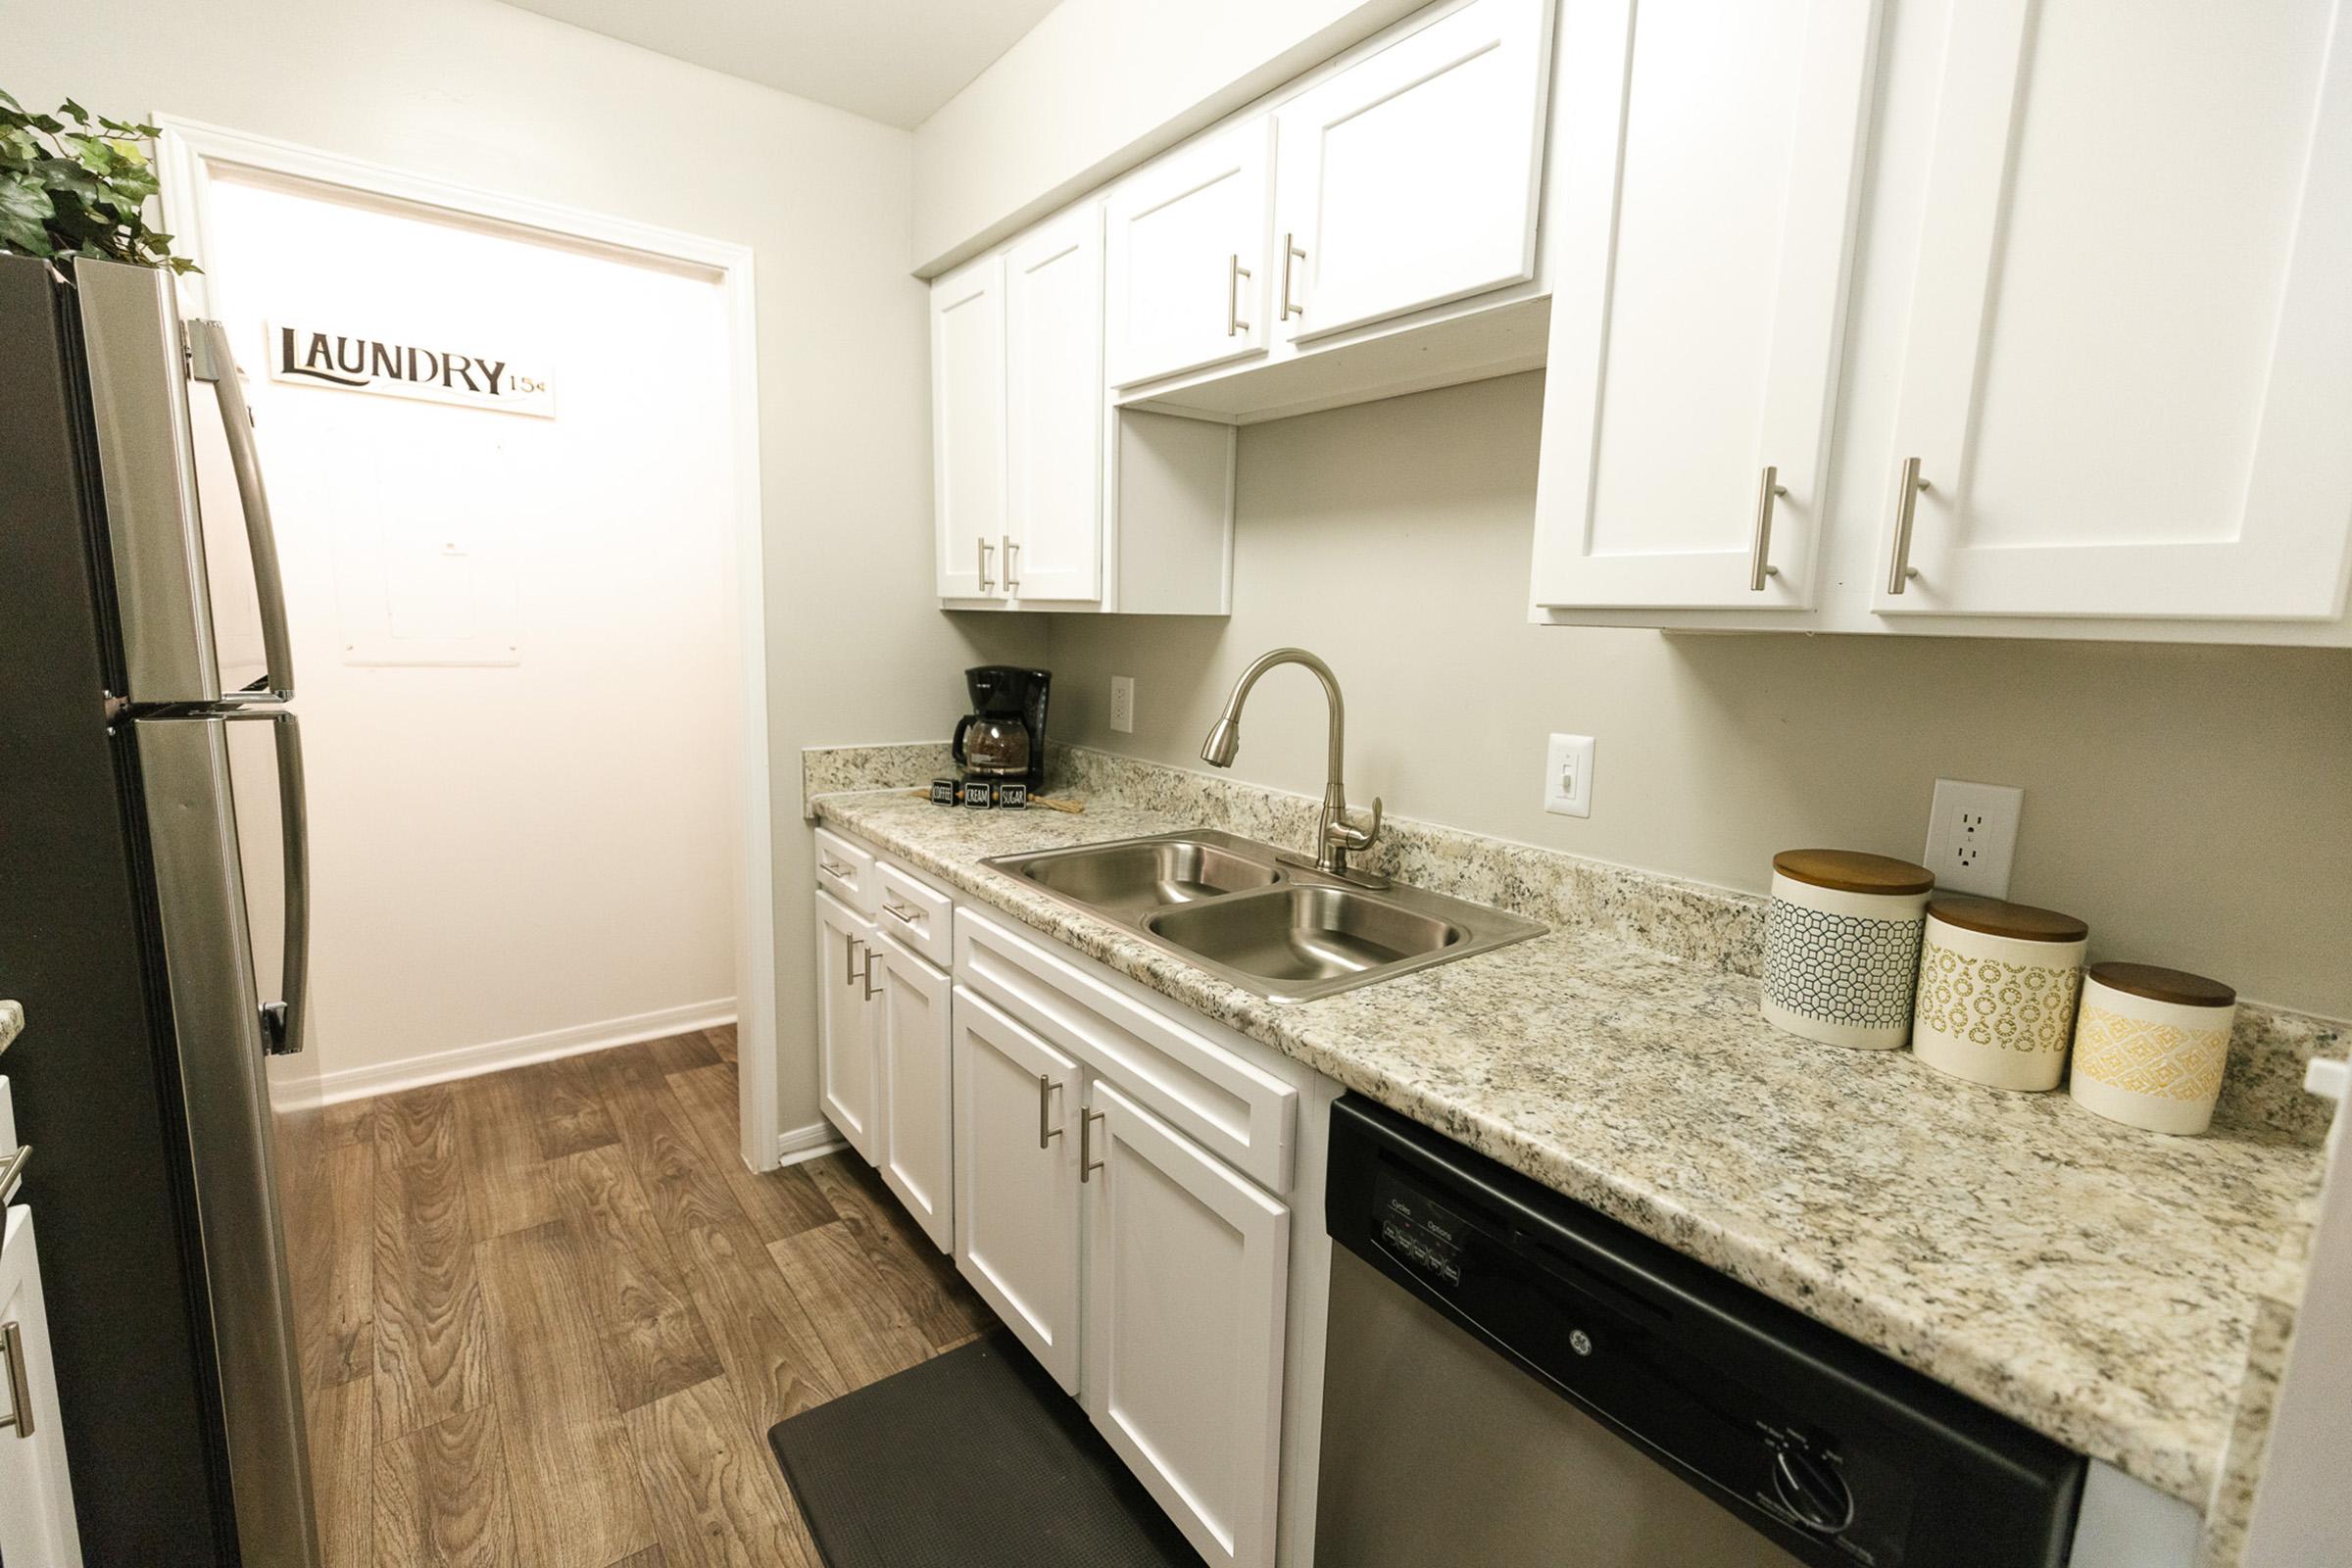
(1122, 703)
(1972, 836)
(1568, 775)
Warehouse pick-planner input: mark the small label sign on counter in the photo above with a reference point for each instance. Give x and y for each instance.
(462, 373)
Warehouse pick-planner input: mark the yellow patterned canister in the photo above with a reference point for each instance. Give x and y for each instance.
(2151, 1046)
(1997, 984)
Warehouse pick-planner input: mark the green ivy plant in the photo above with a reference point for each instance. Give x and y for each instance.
(75, 183)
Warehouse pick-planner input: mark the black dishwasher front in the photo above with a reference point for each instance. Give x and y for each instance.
(1675, 1417)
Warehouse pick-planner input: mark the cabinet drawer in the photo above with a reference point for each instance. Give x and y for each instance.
(846, 871)
(916, 914)
(1242, 1115)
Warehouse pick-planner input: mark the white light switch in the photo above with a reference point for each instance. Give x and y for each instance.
(1568, 775)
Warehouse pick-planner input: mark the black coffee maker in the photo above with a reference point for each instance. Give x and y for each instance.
(1003, 737)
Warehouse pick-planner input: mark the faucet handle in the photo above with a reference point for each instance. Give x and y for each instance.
(1356, 840)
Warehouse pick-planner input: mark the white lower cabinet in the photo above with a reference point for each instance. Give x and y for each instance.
(913, 1063)
(1183, 1318)
(1016, 1181)
(847, 1082)
(1110, 1172)
(37, 1494)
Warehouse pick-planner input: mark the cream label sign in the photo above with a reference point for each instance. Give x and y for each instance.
(350, 362)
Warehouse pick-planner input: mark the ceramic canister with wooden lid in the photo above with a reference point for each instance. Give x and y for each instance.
(1841, 945)
(1997, 984)
(2151, 1046)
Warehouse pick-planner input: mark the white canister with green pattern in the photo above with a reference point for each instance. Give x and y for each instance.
(1841, 945)
(1997, 988)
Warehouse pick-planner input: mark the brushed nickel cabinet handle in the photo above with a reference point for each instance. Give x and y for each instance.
(849, 951)
(1047, 1132)
(1900, 571)
(11, 1172)
(834, 869)
(1235, 327)
(20, 1381)
(900, 913)
(1086, 1144)
(866, 975)
(1012, 581)
(985, 547)
(1290, 252)
(1759, 557)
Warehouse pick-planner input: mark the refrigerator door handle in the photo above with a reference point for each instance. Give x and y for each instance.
(284, 1022)
(211, 359)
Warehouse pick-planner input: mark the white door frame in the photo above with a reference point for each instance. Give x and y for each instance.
(192, 154)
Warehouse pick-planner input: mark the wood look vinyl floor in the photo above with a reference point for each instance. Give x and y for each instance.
(560, 1316)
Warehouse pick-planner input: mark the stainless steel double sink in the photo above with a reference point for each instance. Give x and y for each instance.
(1233, 907)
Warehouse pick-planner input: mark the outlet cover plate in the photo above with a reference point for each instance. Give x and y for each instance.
(1568, 775)
(1972, 836)
(1122, 703)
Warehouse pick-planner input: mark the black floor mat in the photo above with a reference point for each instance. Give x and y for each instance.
(974, 1460)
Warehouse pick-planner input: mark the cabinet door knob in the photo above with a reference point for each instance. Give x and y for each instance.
(1759, 559)
(20, 1381)
(1047, 1132)
(1086, 1144)
(1900, 571)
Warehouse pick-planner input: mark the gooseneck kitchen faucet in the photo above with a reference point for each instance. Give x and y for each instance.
(1334, 838)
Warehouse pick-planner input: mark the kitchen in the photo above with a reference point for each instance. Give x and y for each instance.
(1130, 343)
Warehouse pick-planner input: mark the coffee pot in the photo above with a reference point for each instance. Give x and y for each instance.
(1005, 737)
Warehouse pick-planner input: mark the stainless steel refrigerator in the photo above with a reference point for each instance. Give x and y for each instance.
(154, 920)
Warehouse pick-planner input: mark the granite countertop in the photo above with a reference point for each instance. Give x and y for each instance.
(12, 1022)
(2097, 1283)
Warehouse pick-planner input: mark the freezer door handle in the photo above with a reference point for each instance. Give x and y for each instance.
(282, 1022)
(210, 360)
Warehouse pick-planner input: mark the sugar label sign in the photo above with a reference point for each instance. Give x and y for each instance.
(353, 362)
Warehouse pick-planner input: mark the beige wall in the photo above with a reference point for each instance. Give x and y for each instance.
(2194, 804)
(1097, 86)
(483, 93)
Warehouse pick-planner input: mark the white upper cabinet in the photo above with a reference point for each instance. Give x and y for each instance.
(1053, 427)
(967, 428)
(1188, 246)
(1046, 497)
(2128, 377)
(1701, 253)
(1411, 178)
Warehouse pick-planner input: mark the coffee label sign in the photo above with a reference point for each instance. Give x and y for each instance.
(352, 362)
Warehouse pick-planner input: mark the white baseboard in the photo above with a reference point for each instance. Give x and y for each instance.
(470, 1061)
(812, 1142)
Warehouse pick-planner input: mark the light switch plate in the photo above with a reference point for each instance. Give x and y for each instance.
(1122, 703)
(1568, 775)
(1972, 836)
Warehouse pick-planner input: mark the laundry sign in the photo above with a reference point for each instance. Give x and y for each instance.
(353, 362)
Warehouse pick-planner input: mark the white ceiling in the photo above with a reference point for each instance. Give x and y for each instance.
(889, 60)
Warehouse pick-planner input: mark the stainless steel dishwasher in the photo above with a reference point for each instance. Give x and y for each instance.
(1515, 1379)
